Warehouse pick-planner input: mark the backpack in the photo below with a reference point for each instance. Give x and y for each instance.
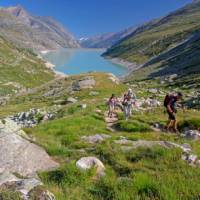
(166, 100)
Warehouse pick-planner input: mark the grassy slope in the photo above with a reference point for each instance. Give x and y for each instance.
(141, 174)
(157, 37)
(184, 61)
(20, 69)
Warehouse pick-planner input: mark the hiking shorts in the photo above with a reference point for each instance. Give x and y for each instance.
(172, 116)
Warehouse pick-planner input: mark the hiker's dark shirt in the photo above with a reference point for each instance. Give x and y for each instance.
(172, 103)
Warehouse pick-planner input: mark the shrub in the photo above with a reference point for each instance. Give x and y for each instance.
(191, 123)
(132, 126)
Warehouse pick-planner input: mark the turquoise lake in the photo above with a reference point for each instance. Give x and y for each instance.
(76, 61)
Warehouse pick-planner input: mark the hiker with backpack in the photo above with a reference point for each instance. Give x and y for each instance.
(128, 102)
(170, 103)
(111, 104)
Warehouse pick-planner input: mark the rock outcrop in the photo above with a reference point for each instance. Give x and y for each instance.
(19, 155)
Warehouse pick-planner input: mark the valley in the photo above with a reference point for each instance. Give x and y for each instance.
(57, 141)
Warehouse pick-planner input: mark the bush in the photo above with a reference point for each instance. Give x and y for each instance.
(191, 123)
(132, 126)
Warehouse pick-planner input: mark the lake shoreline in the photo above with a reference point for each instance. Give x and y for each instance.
(123, 63)
(50, 65)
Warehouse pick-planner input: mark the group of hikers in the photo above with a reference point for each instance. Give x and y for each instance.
(171, 102)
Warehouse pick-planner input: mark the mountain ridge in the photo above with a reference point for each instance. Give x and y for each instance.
(105, 40)
(155, 36)
(34, 32)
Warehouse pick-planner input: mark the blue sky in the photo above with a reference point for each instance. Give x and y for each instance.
(90, 17)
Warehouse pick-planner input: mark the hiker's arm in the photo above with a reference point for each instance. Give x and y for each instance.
(169, 109)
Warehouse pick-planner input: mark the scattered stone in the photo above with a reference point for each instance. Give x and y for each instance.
(93, 93)
(71, 100)
(190, 158)
(98, 138)
(30, 118)
(86, 163)
(192, 134)
(153, 90)
(147, 103)
(98, 111)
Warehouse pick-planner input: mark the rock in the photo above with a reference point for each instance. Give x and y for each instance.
(190, 158)
(172, 77)
(153, 90)
(27, 187)
(7, 177)
(20, 156)
(30, 118)
(83, 106)
(48, 116)
(98, 138)
(149, 144)
(192, 134)
(149, 102)
(71, 100)
(98, 111)
(86, 163)
(93, 93)
(85, 83)
(41, 194)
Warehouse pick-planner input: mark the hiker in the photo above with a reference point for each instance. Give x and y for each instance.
(128, 102)
(170, 103)
(111, 104)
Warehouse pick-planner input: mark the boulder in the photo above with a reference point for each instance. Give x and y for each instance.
(85, 83)
(86, 163)
(21, 156)
(98, 138)
(192, 134)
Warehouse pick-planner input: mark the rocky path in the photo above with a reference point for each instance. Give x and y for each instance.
(110, 121)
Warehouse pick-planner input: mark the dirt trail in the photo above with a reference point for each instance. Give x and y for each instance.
(110, 121)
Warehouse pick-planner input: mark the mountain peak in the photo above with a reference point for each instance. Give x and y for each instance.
(17, 11)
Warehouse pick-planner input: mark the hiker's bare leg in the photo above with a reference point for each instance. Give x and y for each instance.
(175, 126)
(169, 124)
